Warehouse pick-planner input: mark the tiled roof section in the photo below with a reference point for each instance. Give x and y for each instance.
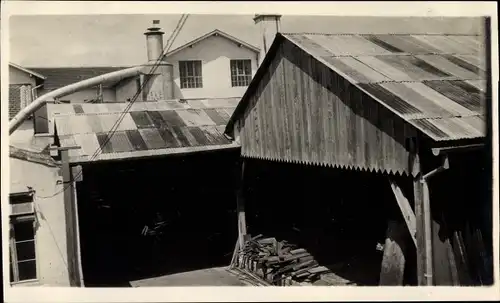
(437, 83)
(147, 129)
(58, 77)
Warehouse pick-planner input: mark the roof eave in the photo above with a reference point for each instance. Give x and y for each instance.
(207, 35)
(27, 71)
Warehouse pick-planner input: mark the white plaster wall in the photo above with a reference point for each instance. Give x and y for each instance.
(50, 236)
(215, 54)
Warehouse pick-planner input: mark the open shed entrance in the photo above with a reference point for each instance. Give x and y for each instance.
(337, 215)
(191, 198)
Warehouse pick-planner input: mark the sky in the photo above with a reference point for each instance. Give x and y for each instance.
(118, 40)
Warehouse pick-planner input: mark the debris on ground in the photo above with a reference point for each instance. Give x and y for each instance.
(280, 263)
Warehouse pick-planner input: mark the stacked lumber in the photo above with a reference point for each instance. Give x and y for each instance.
(278, 262)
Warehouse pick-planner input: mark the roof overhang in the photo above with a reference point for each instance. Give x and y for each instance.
(214, 33)
(28, 71)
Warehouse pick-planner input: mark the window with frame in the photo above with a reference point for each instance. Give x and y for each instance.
(23, 266)
(190, 74)
(241, 72)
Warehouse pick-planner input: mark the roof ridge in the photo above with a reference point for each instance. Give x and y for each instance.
(79, 67)
(377, 34)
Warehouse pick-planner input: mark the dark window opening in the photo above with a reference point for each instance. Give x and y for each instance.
(22, 239)
(241, 72)
(191, 74)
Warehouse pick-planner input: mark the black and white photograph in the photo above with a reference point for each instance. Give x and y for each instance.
(184, 149)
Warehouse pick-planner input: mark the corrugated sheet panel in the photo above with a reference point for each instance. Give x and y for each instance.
(411, 96)
(136, 140)
(120, 142)
(460, 92)
(479, 84)
(452, 128)
(88, 143)
(355, 70)
(415, 76)
(473, 63)
(448, 66)
(406, 44)
(220, 102)
(172, 118)
(195, 117)
(196, 103)
(158, 127)
(384, 68)
(417, 69)
(444, 44)
(441, 100)
(347, 45)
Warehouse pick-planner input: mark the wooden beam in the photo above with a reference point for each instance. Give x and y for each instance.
(422, 216)
(428, 233)
(406, 210)
(393, 262)
(240, 208)
(235, 254)
(71, 220)
(423, 219)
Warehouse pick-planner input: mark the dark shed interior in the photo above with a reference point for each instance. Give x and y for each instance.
(461, 207)
(192, 194)
(337, 215)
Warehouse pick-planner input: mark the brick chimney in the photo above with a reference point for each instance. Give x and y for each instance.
(160, 85)
(269, 26)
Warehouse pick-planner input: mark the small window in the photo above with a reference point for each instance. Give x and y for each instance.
(190, 74)
(241, 72)
(22, 239)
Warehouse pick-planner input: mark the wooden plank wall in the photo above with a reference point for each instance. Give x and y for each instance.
(302, 112)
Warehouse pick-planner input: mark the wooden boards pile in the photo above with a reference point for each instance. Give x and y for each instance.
(279, 262)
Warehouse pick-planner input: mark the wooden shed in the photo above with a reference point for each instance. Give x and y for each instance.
(399, 108)
(147, 173)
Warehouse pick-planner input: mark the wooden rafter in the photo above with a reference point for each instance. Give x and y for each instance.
(406, 210)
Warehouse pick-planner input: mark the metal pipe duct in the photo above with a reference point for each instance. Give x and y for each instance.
(22, 115)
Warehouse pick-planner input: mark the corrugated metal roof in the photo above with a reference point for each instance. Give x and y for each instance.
(61, 109)
(434, 82)
(141, 133)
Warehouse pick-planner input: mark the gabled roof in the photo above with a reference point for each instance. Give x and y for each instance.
(437, 83)
(147, 129)
(58, 77)
(215, 32)
(28, 71)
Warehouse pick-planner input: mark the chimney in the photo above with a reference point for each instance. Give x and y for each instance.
(154, 40)
(269, 26)
(158, 73)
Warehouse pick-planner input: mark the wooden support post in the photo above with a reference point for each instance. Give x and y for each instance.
(423, 220)
(393, 262)
(240, 208)
(406, 210)
(71, 216)
(235, 254)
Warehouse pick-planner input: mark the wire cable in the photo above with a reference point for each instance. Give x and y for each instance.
(171, 39)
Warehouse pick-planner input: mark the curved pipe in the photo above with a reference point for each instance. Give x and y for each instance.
(22, 115)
